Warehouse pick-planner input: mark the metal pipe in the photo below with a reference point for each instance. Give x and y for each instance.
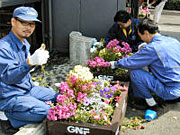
(50, 25)
(43, 20)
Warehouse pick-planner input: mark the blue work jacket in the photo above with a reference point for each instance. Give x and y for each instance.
(161, 55)
(15, 78)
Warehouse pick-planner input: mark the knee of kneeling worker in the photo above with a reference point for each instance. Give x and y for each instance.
(135, 74)
(39, 115)
(43, 110)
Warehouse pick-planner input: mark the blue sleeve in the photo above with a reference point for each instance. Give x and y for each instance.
(11, 71)
(140, 59)
(135, 21)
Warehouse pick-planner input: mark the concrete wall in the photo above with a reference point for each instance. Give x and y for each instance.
(6, 3)
(90, 17)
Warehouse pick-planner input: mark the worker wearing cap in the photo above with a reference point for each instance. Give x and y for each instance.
(162, 58)
(20, 99)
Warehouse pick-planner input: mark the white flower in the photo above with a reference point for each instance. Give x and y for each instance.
(57, 84)
(82, 72)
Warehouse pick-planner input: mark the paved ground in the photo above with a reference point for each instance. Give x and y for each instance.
(170, 24)
(168, 121)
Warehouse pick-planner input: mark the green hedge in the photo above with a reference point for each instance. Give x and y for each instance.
(172, 5)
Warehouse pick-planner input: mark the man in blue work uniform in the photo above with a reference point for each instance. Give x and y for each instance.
(124, 29)
(161, 55)
(22, 101)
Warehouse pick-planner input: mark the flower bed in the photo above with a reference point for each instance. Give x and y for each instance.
(67, 128)
(86, 105)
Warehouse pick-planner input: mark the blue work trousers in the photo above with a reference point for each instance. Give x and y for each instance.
(143, 83)
(31, 107)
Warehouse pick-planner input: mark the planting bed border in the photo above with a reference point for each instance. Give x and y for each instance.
(69, 128)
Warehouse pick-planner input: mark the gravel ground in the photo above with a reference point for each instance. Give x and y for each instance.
(55, 71)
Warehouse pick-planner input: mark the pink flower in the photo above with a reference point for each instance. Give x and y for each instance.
(117, 98)
(70, 93)
(106, 101)
(92, 112)
(112, 43)
(96, 117)
(92, 63)
(98, 62)
(118, 86)
(61, 99)
(52, 114)
(109, 123)
(125, 88)
(72, 79)
(105, 117)
(81, 97)
(65, 111)
(63, 87)
(129, 10)
(48, 102)
(84, 87)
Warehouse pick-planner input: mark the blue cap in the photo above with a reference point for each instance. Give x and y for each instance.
(26, 14)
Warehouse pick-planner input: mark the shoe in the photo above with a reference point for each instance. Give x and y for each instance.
(154, 108)
(173, 101)
(140, 104)
(144, 107)
(7, 128)
(137, 106)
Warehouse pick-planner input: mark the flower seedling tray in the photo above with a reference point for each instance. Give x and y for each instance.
(112, 77)
(72, 128)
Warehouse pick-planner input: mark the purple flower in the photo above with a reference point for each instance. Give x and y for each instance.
(106, 89)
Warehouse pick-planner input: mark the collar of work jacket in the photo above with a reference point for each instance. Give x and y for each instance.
(18, 43)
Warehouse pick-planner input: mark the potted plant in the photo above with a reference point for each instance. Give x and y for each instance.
(99, 63)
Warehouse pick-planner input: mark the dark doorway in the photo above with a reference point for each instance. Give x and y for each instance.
(5, 23)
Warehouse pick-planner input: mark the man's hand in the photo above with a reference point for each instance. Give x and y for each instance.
(112, 64)
(39, 57)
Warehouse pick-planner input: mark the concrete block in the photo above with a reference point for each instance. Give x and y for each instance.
(80, 48)
(32, 129)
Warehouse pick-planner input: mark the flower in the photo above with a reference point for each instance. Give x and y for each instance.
(98, 63)
(81, 72)
(85, 99)
(96, 117)
(114, 51)
(142, 12)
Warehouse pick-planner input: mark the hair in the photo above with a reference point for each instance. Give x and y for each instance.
(122, 16)
(149, 25)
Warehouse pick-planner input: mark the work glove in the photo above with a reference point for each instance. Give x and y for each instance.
(39, 57)
(112, 64)
(140, 8)
(141, 45)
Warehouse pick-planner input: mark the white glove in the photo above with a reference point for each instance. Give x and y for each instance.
(112, 64)
(141, 45)
(39, 57)
(150, 6)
